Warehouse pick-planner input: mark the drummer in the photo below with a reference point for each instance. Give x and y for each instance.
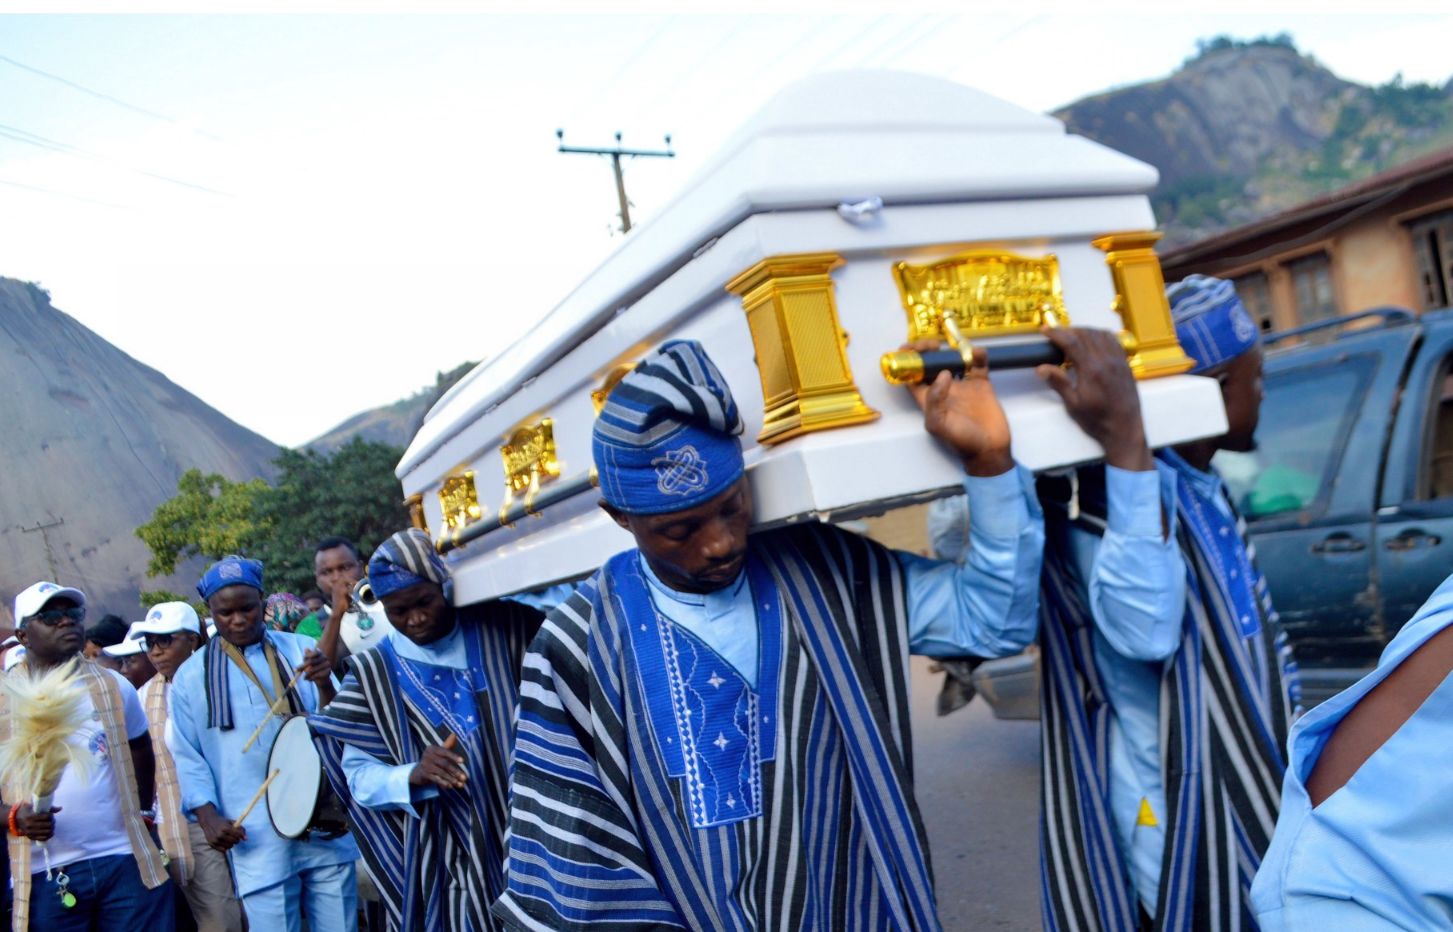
(219, 698)
(170, 633)
(421, 734)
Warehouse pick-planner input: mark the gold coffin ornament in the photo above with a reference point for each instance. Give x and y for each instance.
(807, 384)
(529, 458)
(459, 500)
(1141, 303)
(988, 292)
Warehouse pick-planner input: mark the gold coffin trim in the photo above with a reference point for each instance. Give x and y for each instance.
(415, 505)
(807, 384)
(459, 500)
(529, 457)
(988, 292)
(1140, 301)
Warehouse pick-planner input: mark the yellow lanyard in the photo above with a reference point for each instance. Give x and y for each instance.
(269, 656)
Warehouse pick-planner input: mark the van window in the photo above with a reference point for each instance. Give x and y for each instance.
(1305, 420)
(1436, 480)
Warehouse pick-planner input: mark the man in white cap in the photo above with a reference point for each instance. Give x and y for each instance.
(134, 663)
(169, 634)
(100, 854)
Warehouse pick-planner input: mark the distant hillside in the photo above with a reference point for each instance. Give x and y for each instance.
(394, 424)
(1246, 129)
(93, 441)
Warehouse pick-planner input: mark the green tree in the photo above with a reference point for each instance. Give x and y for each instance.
(351, 492)
(210, 516)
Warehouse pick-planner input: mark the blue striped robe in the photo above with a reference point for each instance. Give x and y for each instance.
(1225, 708)
(438, 872)
(602, 834)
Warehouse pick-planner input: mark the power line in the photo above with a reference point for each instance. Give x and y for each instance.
(64, 148)
(106, 97)
(616, 153)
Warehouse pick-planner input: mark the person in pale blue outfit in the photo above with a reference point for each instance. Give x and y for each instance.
(1167, 684)
(1365, 838)
(218, 698)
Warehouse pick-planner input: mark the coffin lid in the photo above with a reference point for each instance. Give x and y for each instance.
(827, 139)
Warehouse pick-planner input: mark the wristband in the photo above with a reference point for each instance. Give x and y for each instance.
(14, 825)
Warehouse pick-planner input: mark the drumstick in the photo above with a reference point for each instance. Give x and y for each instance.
(257, 796)
(276, 708)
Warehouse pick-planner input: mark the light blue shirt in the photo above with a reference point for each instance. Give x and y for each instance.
(379, 785)
(1378, 853)
(1137, 592)
(988, 605)
(212, 768)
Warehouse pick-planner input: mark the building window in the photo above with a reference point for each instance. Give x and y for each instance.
(1255, 292)
(1312, 285)
(1433, 247)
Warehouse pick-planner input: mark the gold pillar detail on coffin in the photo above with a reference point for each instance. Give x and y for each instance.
(415, 505)
(807, 384)
(988, 292)
(459, 500)
(1140, 302)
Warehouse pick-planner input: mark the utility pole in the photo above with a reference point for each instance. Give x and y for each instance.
(616, 153)
(42, 528)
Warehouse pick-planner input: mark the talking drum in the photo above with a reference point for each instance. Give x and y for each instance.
(855, 213)
(299, 800)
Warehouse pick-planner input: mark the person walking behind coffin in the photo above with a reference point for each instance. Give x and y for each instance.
(419, 740)
(219, 697)
(1366, 821)
(108, 632)
(1163, 716)
(105, 870)
(713, 731)
(171, 633)
(135, 665)
(337, 568)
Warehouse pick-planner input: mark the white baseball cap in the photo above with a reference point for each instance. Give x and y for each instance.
(34, 598)
(126, 648)
(13, 656)
(166, 618)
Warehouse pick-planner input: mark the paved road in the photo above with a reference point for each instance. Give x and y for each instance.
(978, 787)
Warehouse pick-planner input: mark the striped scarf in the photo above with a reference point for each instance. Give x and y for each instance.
(175, 839)
(438, 872)
(602, 833)
(106, 697)
(1225, 705)
(217, 668)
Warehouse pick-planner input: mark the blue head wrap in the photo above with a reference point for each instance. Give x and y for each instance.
(1211, 323)
(230, 571)
(666, 439)
(407, 559)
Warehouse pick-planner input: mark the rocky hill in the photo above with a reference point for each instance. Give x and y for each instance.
(93, 441)
(394, 423)
(1246, 129)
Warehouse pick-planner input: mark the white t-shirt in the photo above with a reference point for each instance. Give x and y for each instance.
(362, 630)
(90, 825)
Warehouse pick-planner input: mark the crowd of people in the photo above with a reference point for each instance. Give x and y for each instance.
(712, 731)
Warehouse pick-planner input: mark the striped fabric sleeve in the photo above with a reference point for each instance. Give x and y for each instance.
(575, 858)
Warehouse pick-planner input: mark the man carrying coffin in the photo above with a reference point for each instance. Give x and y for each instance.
(418, 740)
(219, 698)
(1168, 687)
(713, 731)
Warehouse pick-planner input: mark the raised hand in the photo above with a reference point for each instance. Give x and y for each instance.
(966, 415)
(1099, 393)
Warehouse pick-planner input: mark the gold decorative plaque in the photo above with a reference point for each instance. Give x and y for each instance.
(1140, 302)
(460, 501)
(989, 292)
(529, 457)
(807, 384)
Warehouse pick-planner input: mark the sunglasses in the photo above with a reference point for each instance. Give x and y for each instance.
(153, 641)
(53, 617)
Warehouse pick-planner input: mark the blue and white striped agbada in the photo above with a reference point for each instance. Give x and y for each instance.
(666, 438)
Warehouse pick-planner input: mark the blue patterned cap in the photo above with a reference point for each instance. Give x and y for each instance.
(407, 559)
(230, 571)
(666, 439)
(1211, 323)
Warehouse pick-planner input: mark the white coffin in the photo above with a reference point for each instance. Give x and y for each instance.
(955, 169)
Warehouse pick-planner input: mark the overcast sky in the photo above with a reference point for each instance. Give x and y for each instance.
(298, 217)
